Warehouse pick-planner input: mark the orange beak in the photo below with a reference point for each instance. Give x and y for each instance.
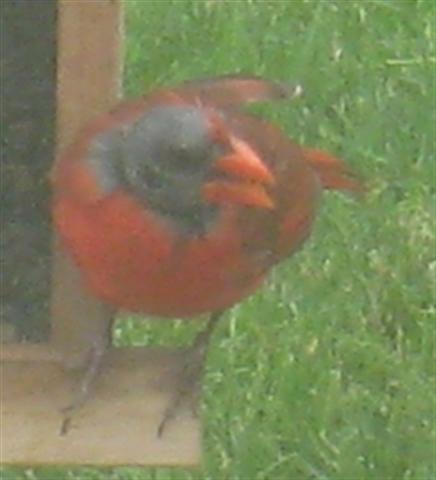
(247, 178)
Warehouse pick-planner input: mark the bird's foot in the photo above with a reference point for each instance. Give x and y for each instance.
(188, 377)
(186, 389)
(91, 372)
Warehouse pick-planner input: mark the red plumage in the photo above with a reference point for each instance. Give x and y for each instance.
(133, 259)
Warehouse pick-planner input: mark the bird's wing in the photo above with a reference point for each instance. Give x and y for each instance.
(232, 91)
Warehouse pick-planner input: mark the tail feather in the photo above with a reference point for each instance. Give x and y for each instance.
(332, 172)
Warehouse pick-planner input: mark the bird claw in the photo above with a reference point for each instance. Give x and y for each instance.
(65, 424)
(187, 388)
(189, 377)
(92, 370)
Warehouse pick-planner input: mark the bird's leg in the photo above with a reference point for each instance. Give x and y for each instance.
(91, 372)
(188, 379)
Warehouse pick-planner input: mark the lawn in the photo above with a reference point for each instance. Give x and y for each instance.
(328, 372)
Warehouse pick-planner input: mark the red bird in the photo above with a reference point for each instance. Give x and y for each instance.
(180, 203)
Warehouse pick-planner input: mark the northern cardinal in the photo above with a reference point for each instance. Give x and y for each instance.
(179, 203)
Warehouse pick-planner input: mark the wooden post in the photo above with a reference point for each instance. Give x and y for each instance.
(88, 84)
(119, 423)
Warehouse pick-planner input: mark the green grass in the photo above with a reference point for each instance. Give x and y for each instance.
(328, 372)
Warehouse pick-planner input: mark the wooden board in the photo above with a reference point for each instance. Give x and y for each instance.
(89, 65)
(117, 426)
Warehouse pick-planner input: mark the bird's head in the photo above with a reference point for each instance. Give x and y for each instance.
(185, 164)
